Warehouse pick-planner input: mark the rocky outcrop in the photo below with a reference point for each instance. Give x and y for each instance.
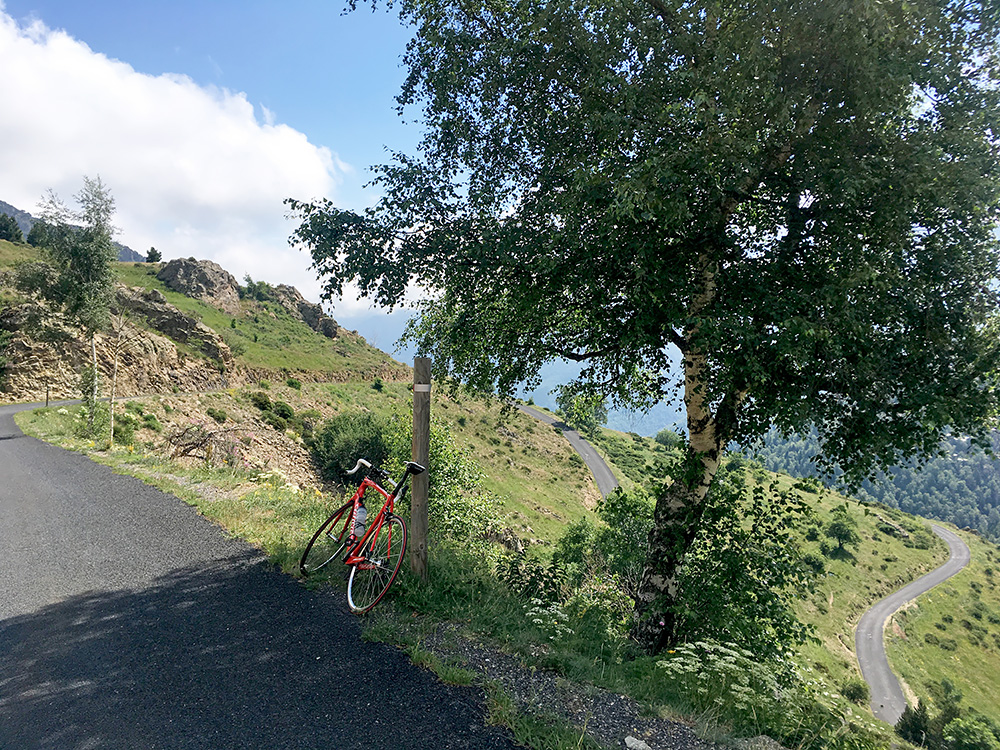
(152, 306)
(51, 365)
(203, 280)
(309, 313)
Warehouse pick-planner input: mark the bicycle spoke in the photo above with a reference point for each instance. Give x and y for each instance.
(371, 578)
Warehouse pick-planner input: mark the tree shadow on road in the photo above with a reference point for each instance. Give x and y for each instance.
(235, 655)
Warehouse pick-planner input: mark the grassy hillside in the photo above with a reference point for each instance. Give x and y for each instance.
(265, 335)
(544, 488)
(953, 633)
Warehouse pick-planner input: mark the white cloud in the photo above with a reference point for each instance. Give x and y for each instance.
(193, 170)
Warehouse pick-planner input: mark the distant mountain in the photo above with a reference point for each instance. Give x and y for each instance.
(962, 486)
(26, 221)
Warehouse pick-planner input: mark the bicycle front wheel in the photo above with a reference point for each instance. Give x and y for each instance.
(328, 543)
(383, 557)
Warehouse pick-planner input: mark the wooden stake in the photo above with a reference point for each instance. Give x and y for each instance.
(421, 454)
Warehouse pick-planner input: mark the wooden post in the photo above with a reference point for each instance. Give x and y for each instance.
(46, 394)
(421, 454)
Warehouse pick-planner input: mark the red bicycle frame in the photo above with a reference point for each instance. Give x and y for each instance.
(356, 554)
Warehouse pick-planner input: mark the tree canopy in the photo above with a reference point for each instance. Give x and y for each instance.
(9, 229)
(80, 244)
(798, 197)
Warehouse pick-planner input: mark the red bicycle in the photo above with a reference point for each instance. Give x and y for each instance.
(375, 554)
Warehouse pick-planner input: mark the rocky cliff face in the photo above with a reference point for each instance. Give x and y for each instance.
(43, 354)
(151, 306)
(51, 364)
(308, 312)
(203, 280)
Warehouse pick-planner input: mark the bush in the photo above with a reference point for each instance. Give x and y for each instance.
(530, 578)
(261, 400)
(345, 438)
(150, 422)
(814, 562)
(277, 422)
(219, 415)
(125, 425)
(283, 410)
(745, 561)
(856, 691)
(293, 383)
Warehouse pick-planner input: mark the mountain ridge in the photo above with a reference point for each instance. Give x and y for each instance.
(26, 221)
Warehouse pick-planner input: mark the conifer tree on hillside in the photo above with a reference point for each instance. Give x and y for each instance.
(799, 198)
(9, 229)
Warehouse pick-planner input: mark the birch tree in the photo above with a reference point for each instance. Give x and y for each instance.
(796, 200)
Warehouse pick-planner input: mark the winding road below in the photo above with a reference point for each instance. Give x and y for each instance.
(887, 701)
(129, 621)
(603, 476)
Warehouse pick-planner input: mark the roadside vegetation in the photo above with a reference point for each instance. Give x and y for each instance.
(563, 603)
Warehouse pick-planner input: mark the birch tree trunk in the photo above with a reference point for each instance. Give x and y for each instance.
(93, 391)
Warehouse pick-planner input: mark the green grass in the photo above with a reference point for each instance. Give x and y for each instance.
(521, 457)
(12, 253)
(953, 633)
(530, 465)
(267, 336)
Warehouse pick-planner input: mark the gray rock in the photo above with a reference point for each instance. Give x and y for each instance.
(633, 744)
(309, 313)
(171, 322)
(203, 280)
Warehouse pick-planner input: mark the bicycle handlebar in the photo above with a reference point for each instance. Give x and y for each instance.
(361, 462)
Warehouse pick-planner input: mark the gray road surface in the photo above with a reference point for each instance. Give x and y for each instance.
(887, 701)
(129, 621)
(603, 476)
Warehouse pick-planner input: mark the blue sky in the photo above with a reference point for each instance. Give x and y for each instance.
(202, 117)
(329, 74)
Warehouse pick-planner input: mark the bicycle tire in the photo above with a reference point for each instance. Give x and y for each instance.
(384, 554)
(328, 543)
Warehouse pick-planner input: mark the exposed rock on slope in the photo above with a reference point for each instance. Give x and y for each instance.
(203, 280)
(309, 313)
(148, 362)
(168, 320)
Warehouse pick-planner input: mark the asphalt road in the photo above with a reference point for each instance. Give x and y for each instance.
(887, 701)
(129, 621)
(603, 476)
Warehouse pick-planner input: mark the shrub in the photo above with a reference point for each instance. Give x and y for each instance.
(378, 385)
(283, 410)
(345, 438)
(530, 578)
(125, 425)
(970, 733)
(277, 422)
(745, 561)
(261, 400)
(219, 415)
(575, 551)
(150, 422)
(855, 690)
(814, 562)
(293, 383)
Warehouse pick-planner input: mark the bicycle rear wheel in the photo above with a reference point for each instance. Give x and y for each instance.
(328, 543)
(383, 557)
